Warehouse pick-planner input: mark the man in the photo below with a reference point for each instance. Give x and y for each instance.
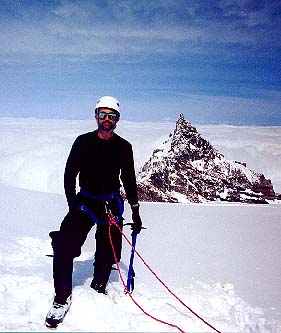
(100, 158)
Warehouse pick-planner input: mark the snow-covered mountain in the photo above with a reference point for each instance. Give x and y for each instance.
(187, 168)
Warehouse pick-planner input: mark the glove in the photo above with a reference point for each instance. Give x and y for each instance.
(137, 224)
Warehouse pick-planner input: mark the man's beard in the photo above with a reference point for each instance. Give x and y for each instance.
(107, 128)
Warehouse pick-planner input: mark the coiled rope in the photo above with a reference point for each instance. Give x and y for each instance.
(112, 222)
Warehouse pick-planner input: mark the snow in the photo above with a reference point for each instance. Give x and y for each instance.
(221, 259)
(180, 197)
(251, 176)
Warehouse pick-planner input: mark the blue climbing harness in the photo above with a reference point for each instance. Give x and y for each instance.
(105, 198)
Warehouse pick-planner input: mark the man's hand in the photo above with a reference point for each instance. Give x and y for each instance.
(137, 224)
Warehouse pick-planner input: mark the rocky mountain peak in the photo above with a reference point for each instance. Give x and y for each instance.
(188, 143)
(188, 168)
(183, 127)
(182, 122)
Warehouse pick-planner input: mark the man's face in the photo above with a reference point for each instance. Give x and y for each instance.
(106, 119)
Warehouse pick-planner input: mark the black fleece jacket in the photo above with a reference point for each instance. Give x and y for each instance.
(100, 165)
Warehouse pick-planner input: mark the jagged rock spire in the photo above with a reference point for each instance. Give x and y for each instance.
(188, 168)
(183, 125)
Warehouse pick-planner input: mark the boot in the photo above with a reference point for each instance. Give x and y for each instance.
(101, 277)
(57, 313)
(99, 287)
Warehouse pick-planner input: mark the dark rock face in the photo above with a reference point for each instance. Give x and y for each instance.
(188, 169)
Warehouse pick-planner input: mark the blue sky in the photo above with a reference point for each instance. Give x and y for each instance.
(216, 61)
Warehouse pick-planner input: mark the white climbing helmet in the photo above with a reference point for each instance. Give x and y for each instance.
(108, 102)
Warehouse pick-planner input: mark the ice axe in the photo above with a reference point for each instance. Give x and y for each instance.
(131, 273)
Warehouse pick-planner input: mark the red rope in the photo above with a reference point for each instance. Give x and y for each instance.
(113, 222)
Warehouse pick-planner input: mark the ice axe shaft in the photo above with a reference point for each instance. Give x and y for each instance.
(131, 270)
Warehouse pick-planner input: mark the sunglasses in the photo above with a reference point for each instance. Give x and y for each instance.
(110, 116)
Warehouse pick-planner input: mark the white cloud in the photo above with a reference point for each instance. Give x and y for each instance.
(58, 38)
(84, 27)
(27, 145)
(69, 9)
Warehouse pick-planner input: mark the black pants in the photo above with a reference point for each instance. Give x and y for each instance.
(67, 243)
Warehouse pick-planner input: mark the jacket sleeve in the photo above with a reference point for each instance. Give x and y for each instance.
(128, 176)
(72, 169)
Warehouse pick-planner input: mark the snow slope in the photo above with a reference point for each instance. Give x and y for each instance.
(221, 259)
